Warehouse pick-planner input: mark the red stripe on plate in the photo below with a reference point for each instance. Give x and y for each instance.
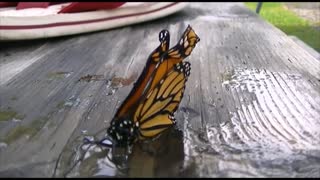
(17, 27)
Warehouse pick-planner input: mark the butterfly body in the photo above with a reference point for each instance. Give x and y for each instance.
(150, 106)
(123, 131)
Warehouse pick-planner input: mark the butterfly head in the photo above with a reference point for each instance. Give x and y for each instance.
(122, 131)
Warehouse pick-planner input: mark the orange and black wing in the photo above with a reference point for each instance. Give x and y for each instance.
(156, 112)
(175, 55)
(138, 89)
(159, 65)
(161, 56)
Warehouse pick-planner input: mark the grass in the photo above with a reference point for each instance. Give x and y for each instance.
(288, 22)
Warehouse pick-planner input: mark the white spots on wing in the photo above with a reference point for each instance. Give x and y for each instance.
(187, 68)
(186, 43)
(178, 67)
(118, 136)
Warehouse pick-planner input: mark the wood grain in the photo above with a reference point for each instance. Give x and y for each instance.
(251, 106)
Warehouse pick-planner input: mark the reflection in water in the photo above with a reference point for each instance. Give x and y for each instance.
(161, 157)
(272, 132)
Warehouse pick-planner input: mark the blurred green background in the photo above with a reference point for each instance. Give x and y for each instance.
(294, 19)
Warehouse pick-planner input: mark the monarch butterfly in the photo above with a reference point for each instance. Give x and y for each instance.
(149, 108)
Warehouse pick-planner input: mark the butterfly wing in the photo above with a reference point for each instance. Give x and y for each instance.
(138, 89)
(161, 56)
(175, 55)
(156, 112)
(159, 65)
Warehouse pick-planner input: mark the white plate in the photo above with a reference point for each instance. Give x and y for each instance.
(35, 23)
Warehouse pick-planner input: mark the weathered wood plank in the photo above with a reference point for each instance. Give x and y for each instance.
(251, 107)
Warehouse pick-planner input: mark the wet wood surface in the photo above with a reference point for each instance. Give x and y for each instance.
(251, 106)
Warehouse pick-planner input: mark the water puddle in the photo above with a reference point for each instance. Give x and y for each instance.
(144, 159)
(272, 133)
(274, 127)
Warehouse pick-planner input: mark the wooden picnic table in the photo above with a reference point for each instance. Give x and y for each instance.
(251, 106)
